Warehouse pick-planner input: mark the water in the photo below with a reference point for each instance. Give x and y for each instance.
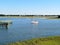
(22, 29)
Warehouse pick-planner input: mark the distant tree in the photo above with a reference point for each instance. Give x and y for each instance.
(58, 16)
(2, 15)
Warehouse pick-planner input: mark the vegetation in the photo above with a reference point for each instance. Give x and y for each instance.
(2, 15)
(47, 16)
(31, 16)
(40, 41)
(59, 16)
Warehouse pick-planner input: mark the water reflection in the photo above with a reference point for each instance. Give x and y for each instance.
(5, 26)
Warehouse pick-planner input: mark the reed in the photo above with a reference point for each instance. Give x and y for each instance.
(40, 41)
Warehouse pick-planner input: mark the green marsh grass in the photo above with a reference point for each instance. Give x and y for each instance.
(40, 41)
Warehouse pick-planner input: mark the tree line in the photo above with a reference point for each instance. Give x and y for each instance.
(29, 15)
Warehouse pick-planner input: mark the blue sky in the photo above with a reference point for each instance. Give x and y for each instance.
(30, 7)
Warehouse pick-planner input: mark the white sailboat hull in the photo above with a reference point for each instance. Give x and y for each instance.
(34, 22)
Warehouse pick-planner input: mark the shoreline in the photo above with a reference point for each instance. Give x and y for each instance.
(48, 17)
(52, 40)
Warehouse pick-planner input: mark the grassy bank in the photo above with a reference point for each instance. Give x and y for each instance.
(40, 41)
(46, 17)
(29, 17)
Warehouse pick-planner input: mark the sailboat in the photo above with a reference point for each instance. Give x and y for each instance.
(34, 22)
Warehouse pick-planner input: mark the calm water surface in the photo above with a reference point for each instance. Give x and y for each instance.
(22, 29)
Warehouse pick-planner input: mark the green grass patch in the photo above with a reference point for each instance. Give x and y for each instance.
(40, 41)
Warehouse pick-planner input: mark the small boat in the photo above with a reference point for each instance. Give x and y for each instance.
(34, 22)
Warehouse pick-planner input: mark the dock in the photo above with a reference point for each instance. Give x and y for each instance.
(5, 23)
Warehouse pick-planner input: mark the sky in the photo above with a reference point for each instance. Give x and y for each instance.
(36, 7)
